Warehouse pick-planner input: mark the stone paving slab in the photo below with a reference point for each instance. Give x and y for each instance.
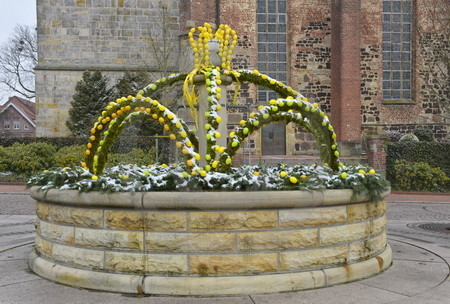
(403, 281)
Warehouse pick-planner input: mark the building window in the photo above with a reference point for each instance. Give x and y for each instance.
(16, 124)
(397, 59)
(25, 126)
(6, 124)
(272, 43)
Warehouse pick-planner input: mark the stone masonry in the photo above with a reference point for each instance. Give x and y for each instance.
(114, 36)
(196, 238)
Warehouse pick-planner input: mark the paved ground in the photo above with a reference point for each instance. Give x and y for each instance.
(418, 229)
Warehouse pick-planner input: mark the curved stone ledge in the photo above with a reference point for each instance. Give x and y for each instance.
(208, 243)
(201, 200)
(210, 286)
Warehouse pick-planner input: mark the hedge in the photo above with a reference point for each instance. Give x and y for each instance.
(122, 145)
(28, 159)
(433, 153)
(419, 176)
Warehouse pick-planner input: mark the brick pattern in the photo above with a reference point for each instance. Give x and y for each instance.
(312, 62)
(238, 242)
(113, 35)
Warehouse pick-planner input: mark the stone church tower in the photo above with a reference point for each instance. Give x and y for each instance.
(359, 59)
(112, 36)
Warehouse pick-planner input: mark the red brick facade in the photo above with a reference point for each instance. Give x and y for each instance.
(335, 58)
(345, 69)
(17, 118)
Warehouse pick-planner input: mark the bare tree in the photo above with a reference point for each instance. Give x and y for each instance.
(18, 57)
(164, 39)
(434, 47)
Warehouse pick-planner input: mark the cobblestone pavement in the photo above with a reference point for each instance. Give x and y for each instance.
(16, 204)
(418, 232)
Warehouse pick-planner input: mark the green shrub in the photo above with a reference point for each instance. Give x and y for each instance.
(435, 154)
(4, 159)
(58, 142)
(70, 156)
(28, 159)
(424, 134)
(408, 137)
(122, 145)
(135, 156)
(419, 176)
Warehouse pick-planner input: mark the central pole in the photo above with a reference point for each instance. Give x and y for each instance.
(204, 107)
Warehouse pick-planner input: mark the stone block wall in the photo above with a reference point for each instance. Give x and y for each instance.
(196, 237)
(113, 36)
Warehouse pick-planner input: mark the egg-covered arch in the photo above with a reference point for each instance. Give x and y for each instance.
(291, 107)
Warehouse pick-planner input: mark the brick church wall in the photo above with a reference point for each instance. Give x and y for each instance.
(423, 110)
(114, 35)
(309, 73)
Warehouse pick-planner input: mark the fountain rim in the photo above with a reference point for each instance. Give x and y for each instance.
(202, 200)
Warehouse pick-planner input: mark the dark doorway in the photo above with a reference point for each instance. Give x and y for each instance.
(274, 139)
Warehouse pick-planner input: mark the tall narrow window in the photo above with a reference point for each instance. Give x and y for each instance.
(272, 49)
(16, 124)
(397, 49)
(6, 124)
(272, 60)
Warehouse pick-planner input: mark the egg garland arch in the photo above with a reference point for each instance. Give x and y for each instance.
(290, 107)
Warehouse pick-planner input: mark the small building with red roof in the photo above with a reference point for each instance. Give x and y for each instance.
(17, 118)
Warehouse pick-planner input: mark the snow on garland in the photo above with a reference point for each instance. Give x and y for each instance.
(125, 178)
(217, 174)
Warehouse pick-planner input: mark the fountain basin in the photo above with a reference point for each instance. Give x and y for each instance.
(208, 243)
